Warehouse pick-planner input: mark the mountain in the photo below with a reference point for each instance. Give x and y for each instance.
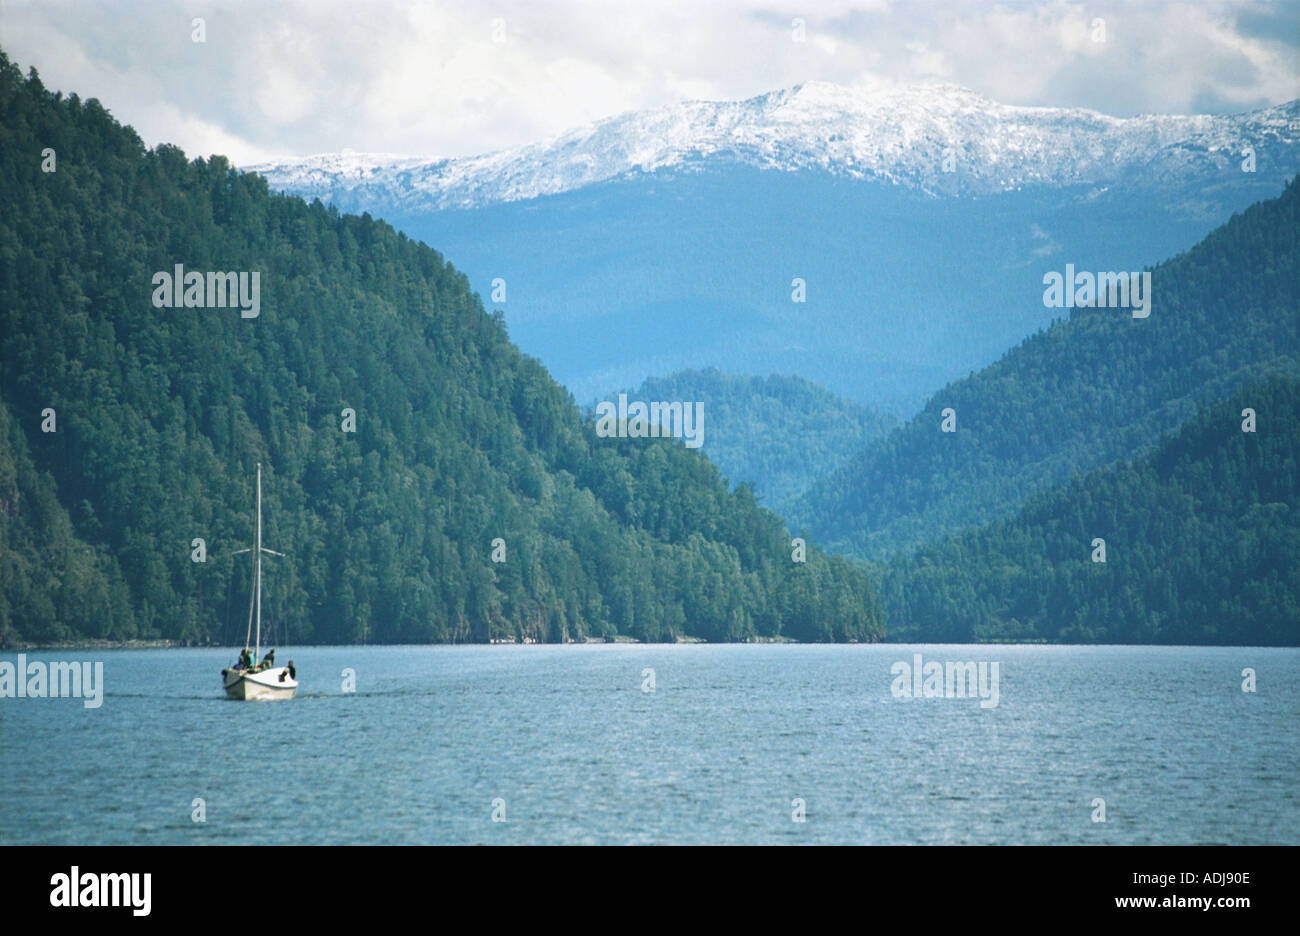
(898, 135)
(776, 434)
(1097, 387)
(407, 444)
(672, 239)
(1201, 538)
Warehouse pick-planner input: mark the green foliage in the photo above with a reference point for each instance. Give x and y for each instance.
(1079, 395)
(163, 413)
(1202, 540)
(777, 434)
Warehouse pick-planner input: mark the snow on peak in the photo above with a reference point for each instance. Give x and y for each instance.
(904, 135)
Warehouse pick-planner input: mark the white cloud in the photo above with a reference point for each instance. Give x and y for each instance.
(283, 99)
(305, 76)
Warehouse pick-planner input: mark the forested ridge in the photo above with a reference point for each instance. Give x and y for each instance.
(1103, 426)
(1201, 546)
(1097, 387)
(777, 433)
(161, 414)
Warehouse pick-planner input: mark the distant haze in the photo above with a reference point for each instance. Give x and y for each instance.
(915, 224)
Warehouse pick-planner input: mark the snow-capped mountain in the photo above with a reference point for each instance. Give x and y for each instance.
(671, 239)
(906, 136)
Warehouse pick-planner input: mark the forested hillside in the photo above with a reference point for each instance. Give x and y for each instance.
(1201, 540)
(159, 416)
(1081, 394)
(778, 433)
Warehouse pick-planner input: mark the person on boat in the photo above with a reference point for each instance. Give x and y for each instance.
(293, 673)
(245, 660)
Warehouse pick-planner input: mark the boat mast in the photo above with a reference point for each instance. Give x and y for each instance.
(255, 593)
(257, 575)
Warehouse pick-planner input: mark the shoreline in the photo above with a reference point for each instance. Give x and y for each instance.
(102, 645)
(65, 646)
(163, 644)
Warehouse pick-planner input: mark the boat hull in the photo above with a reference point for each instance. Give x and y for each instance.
(267, 686)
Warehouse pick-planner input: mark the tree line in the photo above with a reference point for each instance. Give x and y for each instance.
(460, 440)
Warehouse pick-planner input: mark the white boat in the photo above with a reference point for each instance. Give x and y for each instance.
(264, 681)
(269, 684)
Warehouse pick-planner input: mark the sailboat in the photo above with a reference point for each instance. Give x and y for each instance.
(261, 681)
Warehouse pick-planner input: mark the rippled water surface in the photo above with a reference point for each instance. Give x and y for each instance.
(576, 752)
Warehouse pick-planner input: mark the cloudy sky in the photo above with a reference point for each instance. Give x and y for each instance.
(454, 78)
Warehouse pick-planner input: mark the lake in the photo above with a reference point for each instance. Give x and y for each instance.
(566, 745)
